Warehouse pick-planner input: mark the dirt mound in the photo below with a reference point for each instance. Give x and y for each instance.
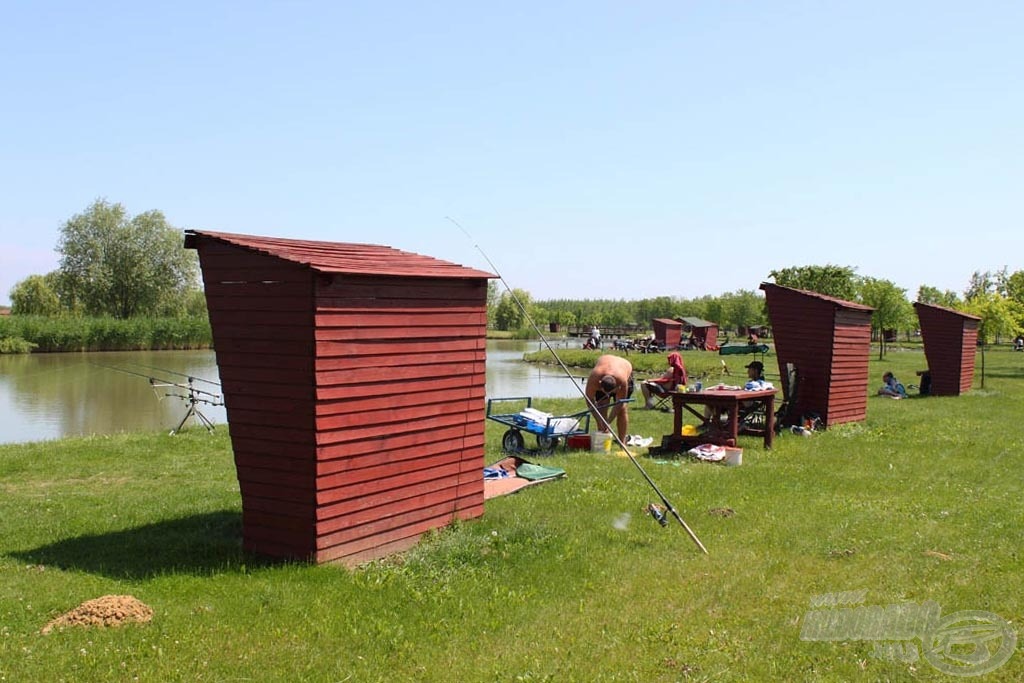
(109, 610)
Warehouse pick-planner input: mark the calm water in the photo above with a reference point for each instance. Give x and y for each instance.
(51, 395)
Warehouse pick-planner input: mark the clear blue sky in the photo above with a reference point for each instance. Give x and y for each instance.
(592, 149)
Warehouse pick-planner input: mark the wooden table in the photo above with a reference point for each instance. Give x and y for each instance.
(720, 422)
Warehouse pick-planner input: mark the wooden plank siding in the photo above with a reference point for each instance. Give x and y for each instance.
(950, 347)
(354, 382)
(400, 389)
(667, 331)
(828, 340)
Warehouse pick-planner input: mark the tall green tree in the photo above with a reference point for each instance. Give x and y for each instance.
(837, 281)
(927, 294)
(892, 310)
(509, 314)
(743, 308)
(1015, 287)
(981, 283)
(113, 264)
(999, 316)
(35, 295)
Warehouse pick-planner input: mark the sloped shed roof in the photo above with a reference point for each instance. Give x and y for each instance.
(345, 257)
(697, 322)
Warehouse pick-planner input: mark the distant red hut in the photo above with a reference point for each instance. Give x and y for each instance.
(668, 332)
(353, 377)
(828, 341)
(704, 332)
(950, 344)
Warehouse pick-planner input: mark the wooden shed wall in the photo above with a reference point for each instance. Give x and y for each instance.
(950, 343)
(668, 332)
(829, 346)
(851, 346)
(400, 388)
(261, 315)
(710, 335)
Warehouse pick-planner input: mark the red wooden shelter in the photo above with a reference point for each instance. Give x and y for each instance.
(353, 378)
(668, 332)
(828, 341)
(704, 332)
(950, 344)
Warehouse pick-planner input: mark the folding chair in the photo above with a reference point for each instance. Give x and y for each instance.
(662, 401)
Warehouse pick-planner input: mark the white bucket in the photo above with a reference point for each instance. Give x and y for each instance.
(599, 441)
(733, 456)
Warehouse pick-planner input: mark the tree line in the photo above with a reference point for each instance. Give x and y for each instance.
(121, 266)
(997, 298)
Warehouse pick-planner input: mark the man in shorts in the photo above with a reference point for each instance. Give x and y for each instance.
(611, 380)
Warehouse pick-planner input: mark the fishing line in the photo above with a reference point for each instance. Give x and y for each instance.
(594, 409)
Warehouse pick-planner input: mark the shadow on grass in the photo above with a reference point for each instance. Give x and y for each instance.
(199, 544)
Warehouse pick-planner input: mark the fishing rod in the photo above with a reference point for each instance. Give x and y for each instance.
(193, 398)
(179, 374)
(657, 514)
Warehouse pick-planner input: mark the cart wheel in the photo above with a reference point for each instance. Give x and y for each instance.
(546, 443)
(512, 441)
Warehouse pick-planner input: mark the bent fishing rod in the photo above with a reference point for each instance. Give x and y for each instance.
(593, 407)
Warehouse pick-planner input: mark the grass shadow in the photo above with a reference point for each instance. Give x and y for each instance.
(199, 544)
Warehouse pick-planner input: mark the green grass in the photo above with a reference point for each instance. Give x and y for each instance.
(552, 584)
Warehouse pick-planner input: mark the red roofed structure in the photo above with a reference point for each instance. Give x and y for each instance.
(950, 344)
(667, 332)
(828, 340)
(354, 381)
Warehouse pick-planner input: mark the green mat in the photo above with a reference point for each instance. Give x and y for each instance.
(537, 472)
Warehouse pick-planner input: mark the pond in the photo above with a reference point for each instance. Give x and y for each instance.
(53, 395)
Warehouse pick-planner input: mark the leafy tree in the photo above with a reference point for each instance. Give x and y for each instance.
(1015, 287)
(836, 281)
(742, 309)
(493, 299)
(509, 313)
(115, 265)
(892, 310)
(981, 283)
(999, 315)
(931, 295)
(35, 295)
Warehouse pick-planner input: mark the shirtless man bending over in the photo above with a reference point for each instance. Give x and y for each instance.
(611, 380)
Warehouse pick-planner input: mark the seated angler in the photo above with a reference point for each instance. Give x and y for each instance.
(659, 386)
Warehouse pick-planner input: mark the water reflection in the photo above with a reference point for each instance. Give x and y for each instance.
(48, 396)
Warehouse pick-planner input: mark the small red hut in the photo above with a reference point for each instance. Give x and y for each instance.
(828, 341)
(704, 332)
(950, 343)
(353, 377)
(668, 332)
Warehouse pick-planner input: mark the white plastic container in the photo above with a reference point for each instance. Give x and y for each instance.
(599, 441)
(733, 456)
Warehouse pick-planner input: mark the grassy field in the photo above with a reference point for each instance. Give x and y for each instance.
(566, 581)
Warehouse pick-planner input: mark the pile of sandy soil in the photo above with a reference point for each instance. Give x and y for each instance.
(109, 610)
